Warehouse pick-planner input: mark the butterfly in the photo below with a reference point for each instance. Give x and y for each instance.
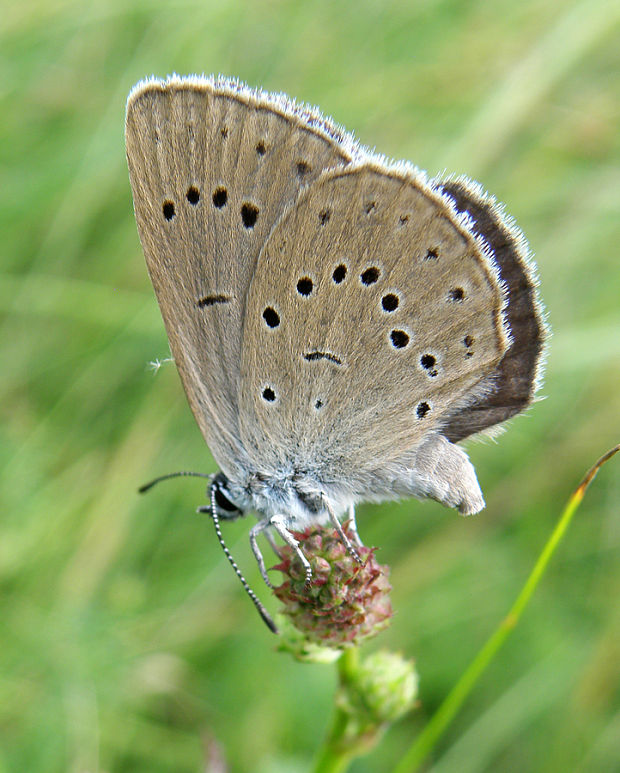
(339, 321)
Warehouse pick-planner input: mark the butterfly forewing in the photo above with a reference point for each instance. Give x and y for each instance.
(212, 166)
(373, 311)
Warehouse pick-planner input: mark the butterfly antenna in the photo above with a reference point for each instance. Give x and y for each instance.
(255, 600)
(147, 486)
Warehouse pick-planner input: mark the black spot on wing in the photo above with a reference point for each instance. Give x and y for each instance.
(211, 300)
(311, 356)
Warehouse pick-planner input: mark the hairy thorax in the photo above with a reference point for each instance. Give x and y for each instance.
(292, 495)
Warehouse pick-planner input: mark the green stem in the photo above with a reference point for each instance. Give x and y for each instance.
(330, 760)
(333, 756)
(348, 663)
(425, 742)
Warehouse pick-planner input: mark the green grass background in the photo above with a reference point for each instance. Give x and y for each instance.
(126, 642)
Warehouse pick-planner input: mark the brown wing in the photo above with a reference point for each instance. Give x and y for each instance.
(212, 166)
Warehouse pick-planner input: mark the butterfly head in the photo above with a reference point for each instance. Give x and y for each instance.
(225, 499)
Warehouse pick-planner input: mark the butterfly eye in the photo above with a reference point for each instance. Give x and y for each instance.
(222, 496)
(224, 503)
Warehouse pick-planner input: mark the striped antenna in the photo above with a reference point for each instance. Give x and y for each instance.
(150, 484)
(212, 510)
(256, 601)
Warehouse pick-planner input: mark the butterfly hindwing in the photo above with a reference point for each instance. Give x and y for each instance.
(518, 374)
(373, 313)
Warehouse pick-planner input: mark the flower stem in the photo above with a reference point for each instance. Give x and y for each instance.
(348, 663)
(331, 760)
(336, 755)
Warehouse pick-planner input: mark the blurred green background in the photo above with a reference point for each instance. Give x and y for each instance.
(126, 642)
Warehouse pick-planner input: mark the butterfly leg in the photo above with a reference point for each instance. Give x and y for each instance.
(345, 540)
(254, 532)
(286, 535)
(353, 527)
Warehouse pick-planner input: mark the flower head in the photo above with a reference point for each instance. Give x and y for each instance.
(346, 602)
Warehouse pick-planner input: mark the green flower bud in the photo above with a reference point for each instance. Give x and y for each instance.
(384, 686)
